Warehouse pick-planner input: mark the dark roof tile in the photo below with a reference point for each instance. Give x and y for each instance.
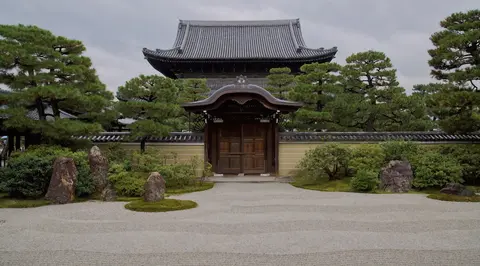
(213, 40)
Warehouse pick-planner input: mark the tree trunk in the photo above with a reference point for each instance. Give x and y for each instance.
(55, 109)
(142, 144)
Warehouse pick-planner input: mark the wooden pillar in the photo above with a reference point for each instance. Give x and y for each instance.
(11, 144)
(206, 144)
(17, 141)
(276, 143)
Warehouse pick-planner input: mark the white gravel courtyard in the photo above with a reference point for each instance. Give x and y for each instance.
(248, 224)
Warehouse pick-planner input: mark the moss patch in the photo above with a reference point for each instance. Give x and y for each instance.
(447, 197)
(164, 205)
(342, 185)
(128, 199)
(22, 203)
(188, 189)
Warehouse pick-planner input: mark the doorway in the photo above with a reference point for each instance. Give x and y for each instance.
(242, 148)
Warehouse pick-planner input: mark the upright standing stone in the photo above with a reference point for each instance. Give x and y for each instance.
(397, 176)
(154, 188)
(109, 193)
(63, 182)
(99, 169)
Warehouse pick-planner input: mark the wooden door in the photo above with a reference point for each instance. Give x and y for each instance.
(241, 149)
(229, 149)
(253, 143)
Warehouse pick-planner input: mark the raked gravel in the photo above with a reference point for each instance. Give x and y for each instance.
(248, 224)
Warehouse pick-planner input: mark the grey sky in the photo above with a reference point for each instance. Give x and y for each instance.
(115, 31)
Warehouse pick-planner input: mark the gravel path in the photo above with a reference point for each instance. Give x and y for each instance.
(248, 224)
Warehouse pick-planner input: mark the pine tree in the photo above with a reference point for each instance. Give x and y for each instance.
(456, 63)
(372, 99)
(191, 90)
(315, 87)
(152, 102)
(280, 82)
(46, 72)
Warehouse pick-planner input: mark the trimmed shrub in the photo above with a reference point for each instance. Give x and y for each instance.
(365, 181)
(367, 157)
(329, 160)
(399, 150)
(127, 184)
(28, 173)
(434, 170)
(469, 157)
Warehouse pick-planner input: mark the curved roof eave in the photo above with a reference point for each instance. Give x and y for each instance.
(238, 89)
(163, 55)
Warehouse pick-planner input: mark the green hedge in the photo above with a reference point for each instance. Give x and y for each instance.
(28, 173)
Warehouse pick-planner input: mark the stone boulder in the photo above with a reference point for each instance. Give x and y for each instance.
(457, 189)
(63, 182)
(396, 177)
(154, 188)
(109, 193)
(99, 169)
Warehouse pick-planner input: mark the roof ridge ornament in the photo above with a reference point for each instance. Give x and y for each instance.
(241, 79)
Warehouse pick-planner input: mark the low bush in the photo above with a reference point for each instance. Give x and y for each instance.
(127, 184)
(434, 170)
(367, 157)
(468, 156)
(399, 150)
(330, 161)
(164, 205)
(365, 181)
(28, 173)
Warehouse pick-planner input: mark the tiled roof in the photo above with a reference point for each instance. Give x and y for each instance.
(125, 137)
(435, 136)
(303, 137)
(234, 40)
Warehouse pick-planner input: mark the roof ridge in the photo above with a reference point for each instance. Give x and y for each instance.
(213, 23)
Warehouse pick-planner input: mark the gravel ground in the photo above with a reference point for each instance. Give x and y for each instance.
(248, 224)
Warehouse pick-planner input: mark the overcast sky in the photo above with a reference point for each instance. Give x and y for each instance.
(115, 31)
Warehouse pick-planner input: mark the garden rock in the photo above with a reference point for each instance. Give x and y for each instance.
(109, 193)
(396, 177)
(457, 189)
(154, 188)
(99, 169)
(62, 184)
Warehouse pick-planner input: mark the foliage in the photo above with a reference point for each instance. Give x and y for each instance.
(28, 173)
(129, 176)
(468, 156)
(280, 82)
(152, 102)
(164, 205)
(128, 184)
(328, 160)
(448, 197)
(399, 150)
(433, 169)
(365, 180)
(456, 63)
(372, 99)
(191, 90)
(115, 153)
(367, 157)
(315, 87)
(48, 74)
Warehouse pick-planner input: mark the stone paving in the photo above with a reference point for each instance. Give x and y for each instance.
(248, 224)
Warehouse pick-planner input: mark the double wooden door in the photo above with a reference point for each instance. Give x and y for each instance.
(241, 148)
